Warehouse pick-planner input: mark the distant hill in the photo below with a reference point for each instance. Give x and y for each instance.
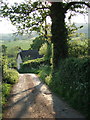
(12, 37)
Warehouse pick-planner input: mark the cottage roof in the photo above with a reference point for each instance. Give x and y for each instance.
(33, 54)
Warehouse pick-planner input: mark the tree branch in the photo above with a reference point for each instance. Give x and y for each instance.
(74, 3)
(29, 11)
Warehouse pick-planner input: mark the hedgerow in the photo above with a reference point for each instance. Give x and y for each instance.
(72, 81)
(32, 65)
(11, 76)
(6, 88)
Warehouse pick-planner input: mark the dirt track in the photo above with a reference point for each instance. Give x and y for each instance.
(30, 98)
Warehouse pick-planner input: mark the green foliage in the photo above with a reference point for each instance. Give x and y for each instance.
(13, 49)
(6, 88)
(43, 49)
(46, 50)
(4, 49)
(44, 71)
(11, 76)
(12, 62)
(37, 42)
(48, 79)
(38, 60)
(31, 16)
(77, 42)
(24, 44)
(23, 20)
(12, 52)
(4, 64)
(32, 65)
(78, 48)
(72, 81)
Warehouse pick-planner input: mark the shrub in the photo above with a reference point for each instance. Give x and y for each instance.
(48, 79)
(72, 81)
(43, 49)
(11, 76)
(46, 50)
(4, 64)
(32, 65)
(78, 48)
(44, 71)
(6, 88)
(37, 42)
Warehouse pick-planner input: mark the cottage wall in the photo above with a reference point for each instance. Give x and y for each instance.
(19, 61)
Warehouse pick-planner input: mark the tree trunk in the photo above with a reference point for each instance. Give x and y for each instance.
(59, 33)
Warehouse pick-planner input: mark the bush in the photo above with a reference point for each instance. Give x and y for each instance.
(6, 88)
(78, 48)
(48, 79)
(43, 49)
(44, 71)
(11, 76)
(37, 42)
(32, 65)
(72, 81)
(4, 64)
(46, 50)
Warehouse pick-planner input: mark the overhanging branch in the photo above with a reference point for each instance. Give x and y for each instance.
(29, 11)
(74, 3)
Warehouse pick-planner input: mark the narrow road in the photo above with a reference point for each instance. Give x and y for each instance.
(30, 98)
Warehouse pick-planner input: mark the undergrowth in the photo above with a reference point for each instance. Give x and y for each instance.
(9, 77)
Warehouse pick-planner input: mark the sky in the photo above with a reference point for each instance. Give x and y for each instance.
(7, 27)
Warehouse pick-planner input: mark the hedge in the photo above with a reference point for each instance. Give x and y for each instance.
(72, 81)
(30, 65)
(6, 88)
(11, 76)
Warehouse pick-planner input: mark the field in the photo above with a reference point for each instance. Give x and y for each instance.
(13, 48)
(24, 44)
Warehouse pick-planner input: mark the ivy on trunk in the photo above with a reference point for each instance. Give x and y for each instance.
(59, 33)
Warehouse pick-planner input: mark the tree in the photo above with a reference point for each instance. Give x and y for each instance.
(32, 15)
(4, 50)
(58, 29)
(37, 42)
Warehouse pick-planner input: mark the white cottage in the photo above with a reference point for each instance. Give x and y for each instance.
(31, 54)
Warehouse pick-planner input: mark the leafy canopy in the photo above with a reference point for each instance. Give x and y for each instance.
(31, 16)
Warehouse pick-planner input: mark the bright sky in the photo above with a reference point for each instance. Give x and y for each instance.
(7, 27)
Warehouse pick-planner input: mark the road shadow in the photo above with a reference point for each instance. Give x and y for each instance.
(28, 100)
(63, 111)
